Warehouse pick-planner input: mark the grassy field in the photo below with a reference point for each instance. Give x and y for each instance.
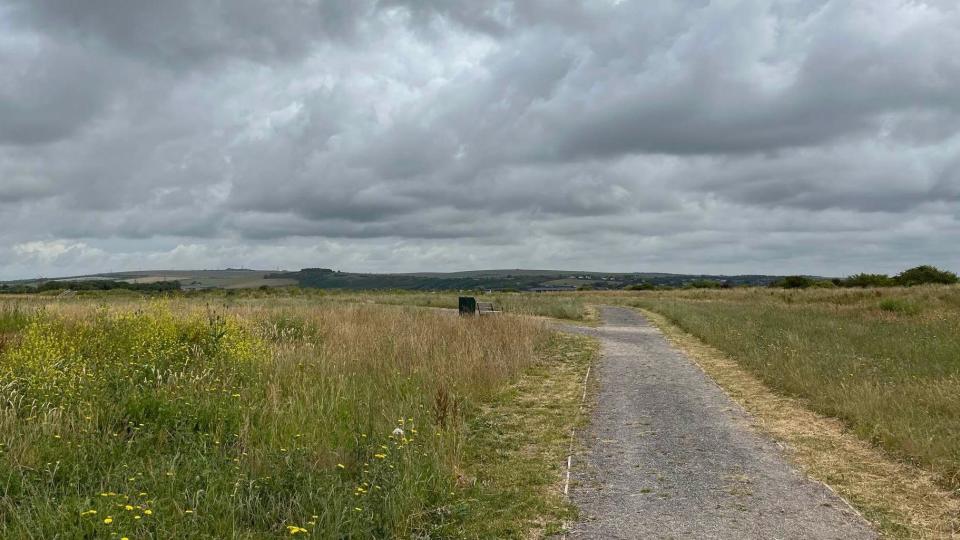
(886, 362)
(558, 306)
(287, 416)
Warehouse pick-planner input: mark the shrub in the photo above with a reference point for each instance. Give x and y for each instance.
(899, 305)
(868, 280)
(925, 274)
(794, 282)
(704, 284)
(641, 287)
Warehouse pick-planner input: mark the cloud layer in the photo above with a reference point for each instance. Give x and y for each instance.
(397, 135)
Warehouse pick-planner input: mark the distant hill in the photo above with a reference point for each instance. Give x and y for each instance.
(324, 278)
(518, 279)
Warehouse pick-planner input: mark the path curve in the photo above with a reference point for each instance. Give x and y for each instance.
(669, 455)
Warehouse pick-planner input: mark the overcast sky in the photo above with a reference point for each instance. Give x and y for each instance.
(795, 136)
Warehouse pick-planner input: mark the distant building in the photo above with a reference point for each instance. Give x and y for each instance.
(553, 288)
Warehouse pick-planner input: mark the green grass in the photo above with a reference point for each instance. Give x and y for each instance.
(886, 362)
(258, 419)
(516, 448)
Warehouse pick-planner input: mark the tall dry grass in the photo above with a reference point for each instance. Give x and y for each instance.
(180, 419)
(557, 306)
(885, 361)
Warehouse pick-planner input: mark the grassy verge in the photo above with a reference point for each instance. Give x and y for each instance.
(517, 446)
(882, 375)
(262, 419)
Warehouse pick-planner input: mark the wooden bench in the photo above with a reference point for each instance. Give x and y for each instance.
(470, 306)
(486, 308)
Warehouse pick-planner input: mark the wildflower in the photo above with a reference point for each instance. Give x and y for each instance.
(341, 466)
(108, 520)
(398, 432)
(188, 511)
(148, 512)
(128, 508)
(379, 456)
(295, 530)
(88, 513)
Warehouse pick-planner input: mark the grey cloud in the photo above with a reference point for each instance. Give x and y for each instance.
(409, 135)
(183, 33)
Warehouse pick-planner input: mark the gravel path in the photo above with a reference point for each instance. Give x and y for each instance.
(669, 455)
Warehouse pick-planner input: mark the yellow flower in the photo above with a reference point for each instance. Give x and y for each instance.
(148, 512)
(295, 530)
(108, 520)
(341, 466)
(128, 507)
(379, 456)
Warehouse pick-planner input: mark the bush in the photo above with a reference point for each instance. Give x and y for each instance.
(704, 284)
(641, 287)
(925, 274)
(899, 305)
(794, 282)
(868, 280)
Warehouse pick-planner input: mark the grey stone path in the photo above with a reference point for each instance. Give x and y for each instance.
(669, 455)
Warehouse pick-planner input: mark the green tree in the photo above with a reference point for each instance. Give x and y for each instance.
(925, 274)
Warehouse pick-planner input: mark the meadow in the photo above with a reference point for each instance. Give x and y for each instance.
(557, 306)
(884, 361)
(124, 417)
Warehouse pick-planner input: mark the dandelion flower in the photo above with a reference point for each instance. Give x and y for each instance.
(341, 466)
(148, 512)
(108, 520)
(128, 507)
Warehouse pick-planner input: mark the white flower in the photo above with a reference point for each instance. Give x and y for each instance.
(398, 432)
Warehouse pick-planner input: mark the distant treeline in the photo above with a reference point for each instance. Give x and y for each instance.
(91, 285)
(325, 278)
(920, 275)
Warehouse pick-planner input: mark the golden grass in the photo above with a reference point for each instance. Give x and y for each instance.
(902, 500)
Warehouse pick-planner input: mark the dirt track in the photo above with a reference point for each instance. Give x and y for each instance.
(669, 455)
